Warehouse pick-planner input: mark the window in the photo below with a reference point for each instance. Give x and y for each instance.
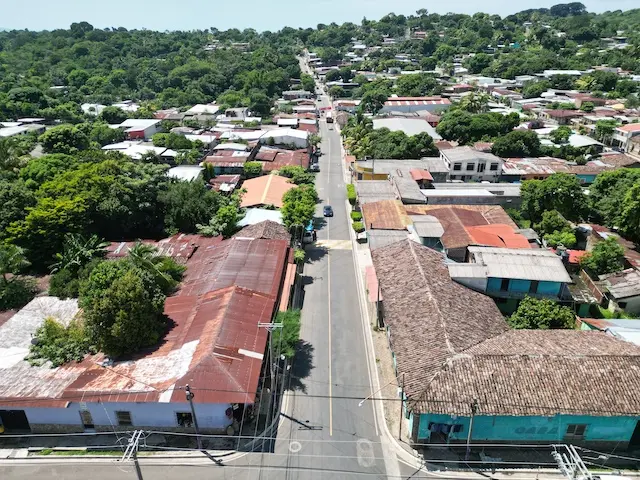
(457, 166)
(471, 167)
(481, 167)
(184, 419)
(575, 431)
(534, 286)
(124, 418)
(504, 285)
(494, 167)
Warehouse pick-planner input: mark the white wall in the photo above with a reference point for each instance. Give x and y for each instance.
(210, 416)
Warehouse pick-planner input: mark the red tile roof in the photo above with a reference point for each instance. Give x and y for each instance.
(419, 174)
(497, 235)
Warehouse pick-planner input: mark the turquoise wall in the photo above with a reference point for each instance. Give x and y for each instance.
(523, 286)
(493, 284)
(588, 179)
(519, 286)
(502, 428)
(549, 288)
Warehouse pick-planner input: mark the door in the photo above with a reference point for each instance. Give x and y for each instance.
(14, 420)
(87, 420)
(635, 438)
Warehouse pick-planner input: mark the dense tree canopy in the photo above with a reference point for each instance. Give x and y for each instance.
(542, 314)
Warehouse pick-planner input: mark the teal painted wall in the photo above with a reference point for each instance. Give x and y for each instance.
(587, 179)
(523, 286)
(493, 284)
(549, 288)
(519, 286)
(532, 428)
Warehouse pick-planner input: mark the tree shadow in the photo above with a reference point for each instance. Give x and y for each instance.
(319, 223)
(315, 253)
(301, 367)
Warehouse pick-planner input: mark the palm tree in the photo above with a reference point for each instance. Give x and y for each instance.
(475, 102)
(78, 251)
(166, 272)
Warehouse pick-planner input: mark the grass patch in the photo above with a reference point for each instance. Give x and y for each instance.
(80, 453)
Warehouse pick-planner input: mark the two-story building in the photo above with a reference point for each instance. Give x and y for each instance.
(623, 136)
(468, 164)
(508, 274)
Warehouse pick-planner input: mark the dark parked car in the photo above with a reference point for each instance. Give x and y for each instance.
(327, 211)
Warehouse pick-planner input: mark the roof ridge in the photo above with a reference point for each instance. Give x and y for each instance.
(431, 297)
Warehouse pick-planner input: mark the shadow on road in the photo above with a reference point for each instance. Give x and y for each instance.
(302, 366)
(315, 253)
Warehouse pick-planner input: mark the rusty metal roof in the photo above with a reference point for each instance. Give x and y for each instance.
(214, 344)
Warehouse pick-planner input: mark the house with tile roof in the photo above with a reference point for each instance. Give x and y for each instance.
(467, 375)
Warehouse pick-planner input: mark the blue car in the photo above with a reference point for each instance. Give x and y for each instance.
(327, 211)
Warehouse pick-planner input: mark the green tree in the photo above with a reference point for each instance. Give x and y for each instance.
(551, 222)
(187, 204)
(308, 83)
(517, 144)
(337, 92)
(606, 257)
(67, 139)
(297, 174)
(630, 215)
(15, 200)
(252, 169)
(15, 291)
(561, 134)
(608, 193)
(474, 102)
(165, 272)
(541, 315)
(299, 206)
(113, 115)
(561, 192)
(103, 134)
(122, 308)
(416, 85)
(605, 129)
(565, 238)
(40, 170)
(285, 339)
(43, 230)
(535, 89)
(373, 101)
(587, 107)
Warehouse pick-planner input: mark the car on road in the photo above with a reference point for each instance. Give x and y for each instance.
(327, 211)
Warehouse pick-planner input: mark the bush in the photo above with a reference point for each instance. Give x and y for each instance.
(356, 216)
(568, 239)
(358, 227)
(59, 344)
(252, 169)
(17, 292)
(64, 284)
(542, 314)
(351, 194)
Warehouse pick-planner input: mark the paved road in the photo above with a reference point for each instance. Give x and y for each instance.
(324, 433)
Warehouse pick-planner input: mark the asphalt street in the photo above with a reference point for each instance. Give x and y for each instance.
(324, 432)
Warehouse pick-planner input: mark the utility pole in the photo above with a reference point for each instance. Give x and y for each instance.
(401, 406)
(270, 328)
(190, 396)
(474, 409)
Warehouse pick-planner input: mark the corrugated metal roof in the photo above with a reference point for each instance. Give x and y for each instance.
(214, 344)
(541, 265)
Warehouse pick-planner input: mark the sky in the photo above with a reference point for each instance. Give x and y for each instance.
(258, 14)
